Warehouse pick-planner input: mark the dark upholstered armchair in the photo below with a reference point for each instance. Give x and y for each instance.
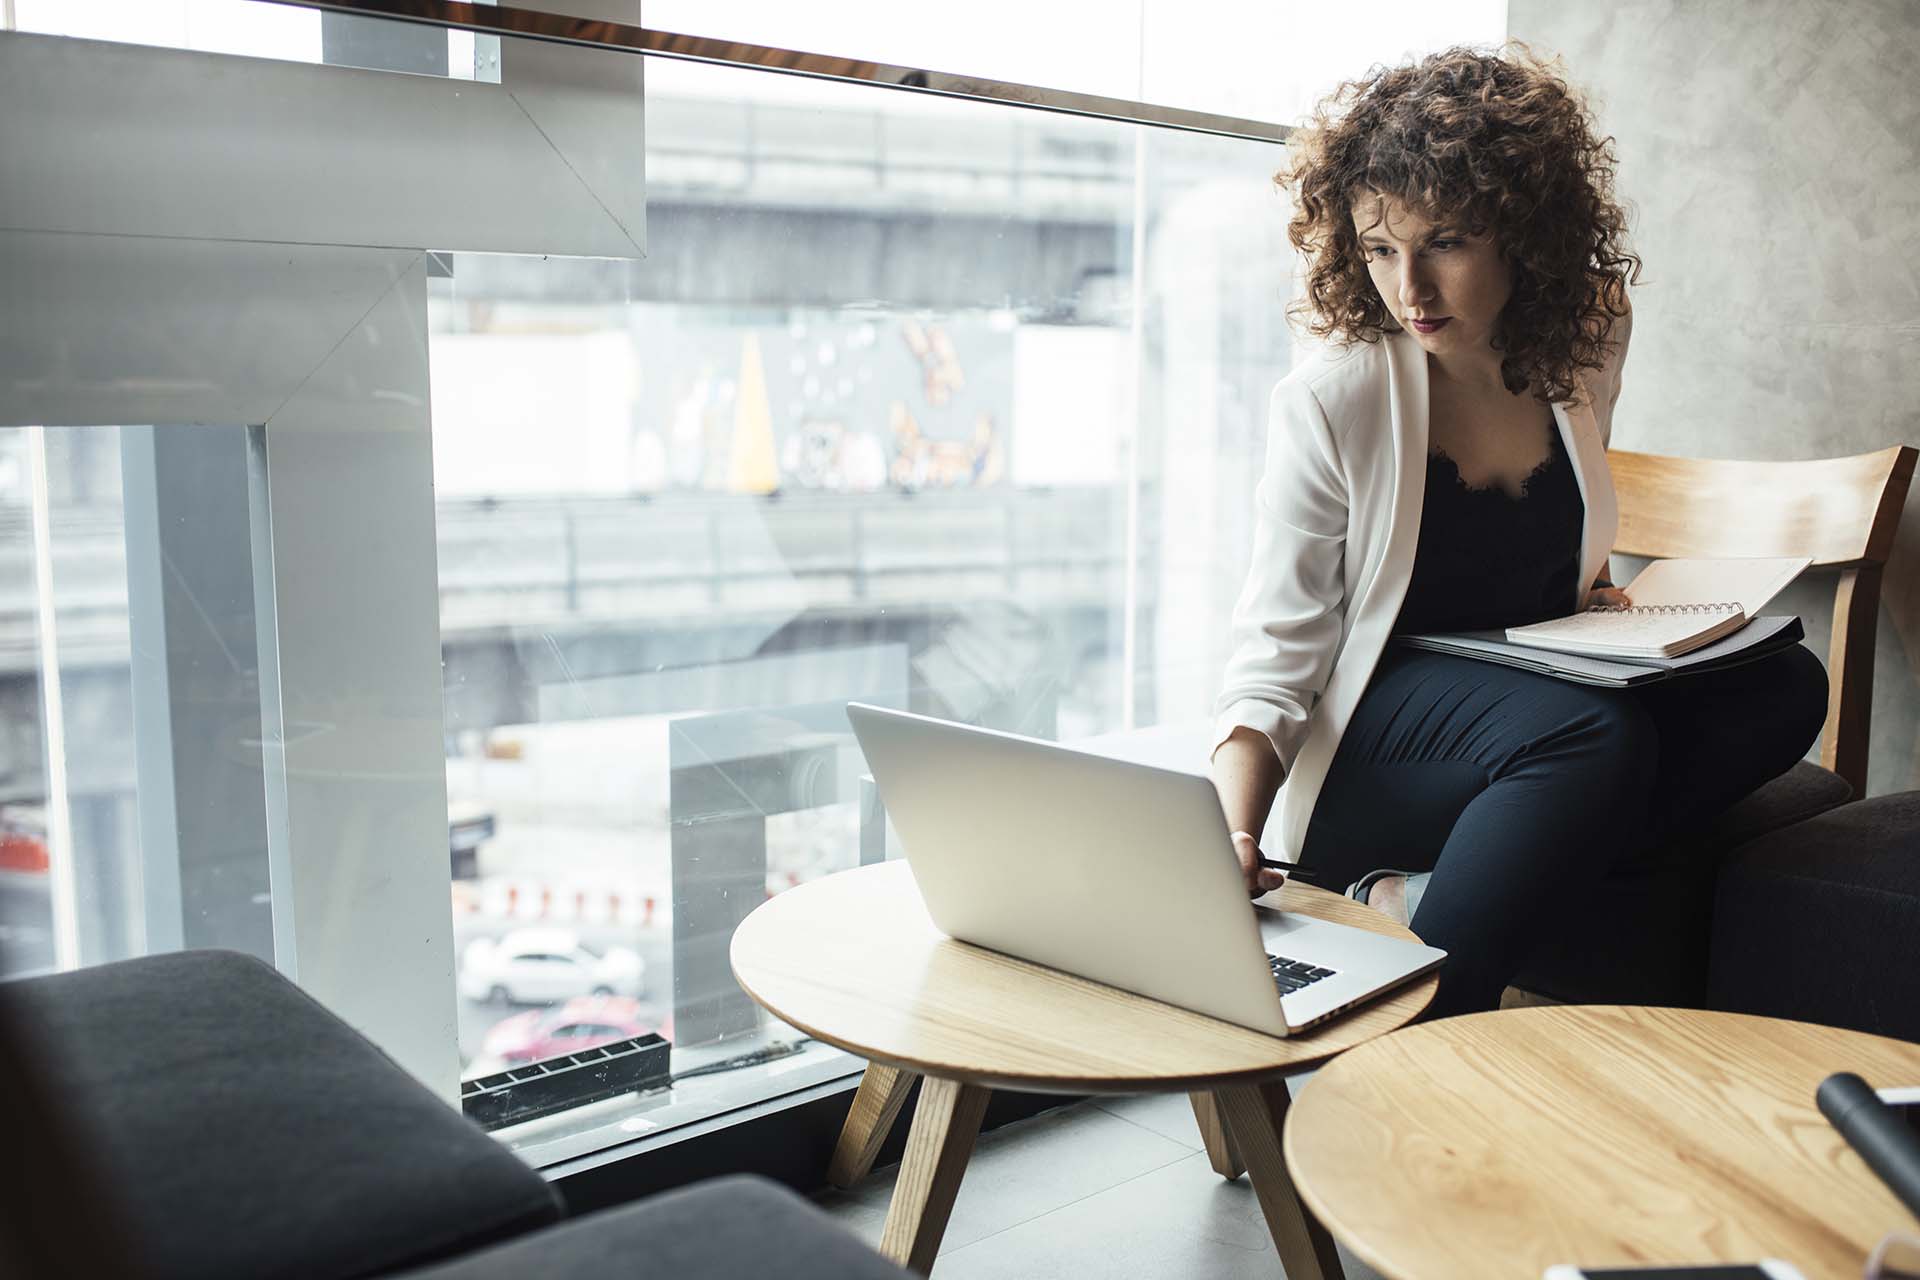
(198, 1115)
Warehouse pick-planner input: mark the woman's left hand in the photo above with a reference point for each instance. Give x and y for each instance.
(1608, 598)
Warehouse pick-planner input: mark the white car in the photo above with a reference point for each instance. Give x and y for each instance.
(539, 966)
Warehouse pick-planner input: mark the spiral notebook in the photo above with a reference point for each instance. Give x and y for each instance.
(1678, 606)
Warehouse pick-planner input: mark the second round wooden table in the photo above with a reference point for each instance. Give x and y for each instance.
(854, 960)
(1497, 1144)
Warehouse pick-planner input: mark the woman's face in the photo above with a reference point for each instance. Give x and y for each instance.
(1444, 285)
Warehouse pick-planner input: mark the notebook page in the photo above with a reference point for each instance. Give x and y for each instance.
(1749, 582)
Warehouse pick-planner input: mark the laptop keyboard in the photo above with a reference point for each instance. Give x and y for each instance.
(1293, 975)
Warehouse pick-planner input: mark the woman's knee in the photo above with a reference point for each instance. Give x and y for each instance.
(1802, 692)
(1774, 709)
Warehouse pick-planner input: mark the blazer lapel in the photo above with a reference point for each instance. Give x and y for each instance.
(1407, 369)
(1582, 438)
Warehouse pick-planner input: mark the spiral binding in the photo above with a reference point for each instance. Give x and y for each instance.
(1719, 606)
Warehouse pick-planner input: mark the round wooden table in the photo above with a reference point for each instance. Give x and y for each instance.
(854, 960)
(1500, 1143)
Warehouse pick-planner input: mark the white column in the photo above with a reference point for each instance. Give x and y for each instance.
(150, 663)
(360, 855)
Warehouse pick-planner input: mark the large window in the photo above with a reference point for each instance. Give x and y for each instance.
(931, 403)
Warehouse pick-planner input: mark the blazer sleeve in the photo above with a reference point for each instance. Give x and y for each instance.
(1288, 619)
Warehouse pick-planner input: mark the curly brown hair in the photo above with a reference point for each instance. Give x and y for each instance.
(1500, 142)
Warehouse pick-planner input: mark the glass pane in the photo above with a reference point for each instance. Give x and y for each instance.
(1274, 62)
(26, 880)
(112, 842)
(1259, 62)
(214, 26)
(879, 418)
(1046, 45)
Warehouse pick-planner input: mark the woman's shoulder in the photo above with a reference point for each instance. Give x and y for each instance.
(1343, 382)
(1601, 386)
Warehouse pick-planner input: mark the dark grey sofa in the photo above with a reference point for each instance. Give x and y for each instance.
(222, 1123)
(1820, 921)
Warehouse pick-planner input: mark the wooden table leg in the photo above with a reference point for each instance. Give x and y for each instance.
(945, 1124)
(875, 1107)
(1255, 1115)
(1213, 1132)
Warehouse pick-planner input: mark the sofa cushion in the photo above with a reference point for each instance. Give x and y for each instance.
(1820, 922)
(726, 1228)
(1794, 796)
(240, 1129)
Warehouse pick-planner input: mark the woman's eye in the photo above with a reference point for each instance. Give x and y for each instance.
(1378, 251)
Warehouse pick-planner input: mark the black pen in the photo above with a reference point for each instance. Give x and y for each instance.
(1293, 869)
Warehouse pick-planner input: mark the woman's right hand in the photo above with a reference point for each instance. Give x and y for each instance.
(1259, 879)
(1609, 598)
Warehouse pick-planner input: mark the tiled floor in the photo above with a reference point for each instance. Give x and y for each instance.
(1113, 1187)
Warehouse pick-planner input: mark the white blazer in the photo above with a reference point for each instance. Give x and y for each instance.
(1336, 526)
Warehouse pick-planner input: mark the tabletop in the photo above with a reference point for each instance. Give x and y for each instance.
(853, 959)
(1499, 1143)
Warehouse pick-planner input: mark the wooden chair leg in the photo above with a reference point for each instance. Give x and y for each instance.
(876, 1105)
(1255, 1115)
(945, 1124)
(1213, 1132)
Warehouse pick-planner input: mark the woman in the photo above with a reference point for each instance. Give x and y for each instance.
(1443, 467)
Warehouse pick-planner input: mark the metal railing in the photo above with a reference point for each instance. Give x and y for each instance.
(678, 557)
(531, 24)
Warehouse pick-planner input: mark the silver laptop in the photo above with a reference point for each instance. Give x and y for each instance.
(1119, 872)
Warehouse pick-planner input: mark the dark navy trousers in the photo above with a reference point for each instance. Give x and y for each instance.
(1520, 792)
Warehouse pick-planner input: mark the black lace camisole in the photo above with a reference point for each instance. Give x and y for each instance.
(1488, 560)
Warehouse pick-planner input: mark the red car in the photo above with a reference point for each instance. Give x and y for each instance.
(580, 1023)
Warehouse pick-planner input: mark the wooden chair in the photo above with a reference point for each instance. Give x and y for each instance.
(1648, 944)
(1841, 511)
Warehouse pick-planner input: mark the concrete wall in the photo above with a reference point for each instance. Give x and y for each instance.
(1771, 151)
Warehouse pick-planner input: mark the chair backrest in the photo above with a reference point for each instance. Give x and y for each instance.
(1841, 511)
